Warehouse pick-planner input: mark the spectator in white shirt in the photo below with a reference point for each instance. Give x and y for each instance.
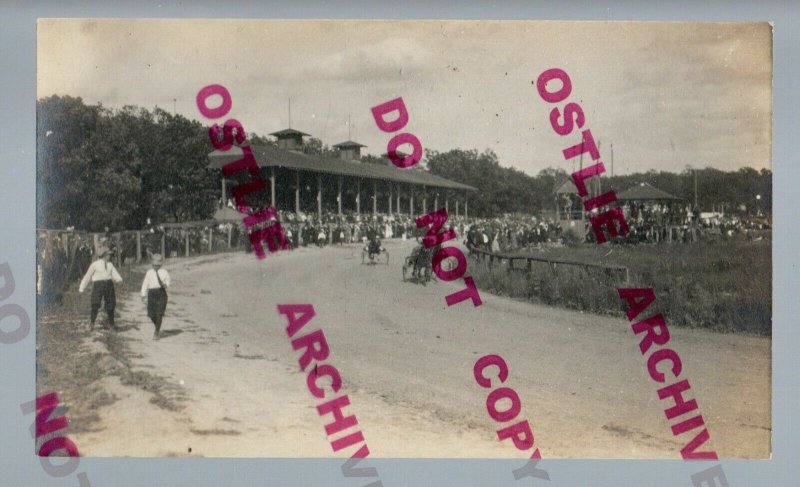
(154, 290)
(102, 275)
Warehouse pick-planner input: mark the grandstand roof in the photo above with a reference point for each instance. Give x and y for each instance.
(645, 191)
(226, 214)
(271, 156)
(567, 187)
(289, 132)
(348, 143)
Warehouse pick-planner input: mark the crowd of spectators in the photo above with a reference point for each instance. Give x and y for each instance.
(491, 234)
(509, 233)
(64, 256)
(302, 230)
(657, 222)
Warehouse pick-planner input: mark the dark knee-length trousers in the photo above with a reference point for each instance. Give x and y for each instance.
(156, 305)
(103, 291)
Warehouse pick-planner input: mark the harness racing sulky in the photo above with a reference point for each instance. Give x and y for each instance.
(417, 266)
(373, 250)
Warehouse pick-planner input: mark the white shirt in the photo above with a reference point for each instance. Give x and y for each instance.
(151, 281)
(100, 270)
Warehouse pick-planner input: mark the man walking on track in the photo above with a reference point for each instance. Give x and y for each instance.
(103, 275)
(154, 290)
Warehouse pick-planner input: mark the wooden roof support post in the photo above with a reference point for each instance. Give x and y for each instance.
(466, 205)
(398, 199)
(390, 197)
(339, 197)
(358, 197)
(297, 193)
(424, 201)
(374, 197)
(582, 215)
(436, 201)
(224, 194)
(272, 186)
(411, 202)
(558, 210)
(319, 197)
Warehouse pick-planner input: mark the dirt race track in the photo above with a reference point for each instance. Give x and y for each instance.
(406, 360)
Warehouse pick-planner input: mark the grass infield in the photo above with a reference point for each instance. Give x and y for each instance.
(718, 285)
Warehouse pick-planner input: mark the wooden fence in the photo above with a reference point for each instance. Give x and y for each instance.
(489, 257)
(133, 246)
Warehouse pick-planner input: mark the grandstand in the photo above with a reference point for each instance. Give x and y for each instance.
(303, 182)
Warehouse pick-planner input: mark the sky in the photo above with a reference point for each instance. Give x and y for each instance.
(666, 95)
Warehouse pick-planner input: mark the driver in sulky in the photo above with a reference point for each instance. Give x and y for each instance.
(417, 254)
(374, 246)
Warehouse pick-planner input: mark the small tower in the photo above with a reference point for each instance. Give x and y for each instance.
(290, 139)
(400, 154)
(349, 150)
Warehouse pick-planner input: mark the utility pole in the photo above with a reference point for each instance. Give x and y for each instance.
(612, 159)
(599, 180)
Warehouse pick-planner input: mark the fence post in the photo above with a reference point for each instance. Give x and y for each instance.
(530, 265)
(164, 244)
(230, 229)
(186, 231)
(210, 239)
(138, 246)
(118, 239)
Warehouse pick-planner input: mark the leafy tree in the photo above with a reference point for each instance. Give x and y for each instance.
(98, 167)
(316, 147)
(370, 159)
(63, 128)
(256, 139)
(501, 190)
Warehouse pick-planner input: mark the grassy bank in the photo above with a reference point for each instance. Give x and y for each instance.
(722, 286)
(67, 364)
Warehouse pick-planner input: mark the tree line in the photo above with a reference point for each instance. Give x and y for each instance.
(98, 168)
(509, 190)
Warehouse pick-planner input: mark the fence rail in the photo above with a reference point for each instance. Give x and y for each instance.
(133, 246)
(63, 255)
(553, 263)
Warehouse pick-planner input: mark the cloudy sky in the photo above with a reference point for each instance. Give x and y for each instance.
(666, 95)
